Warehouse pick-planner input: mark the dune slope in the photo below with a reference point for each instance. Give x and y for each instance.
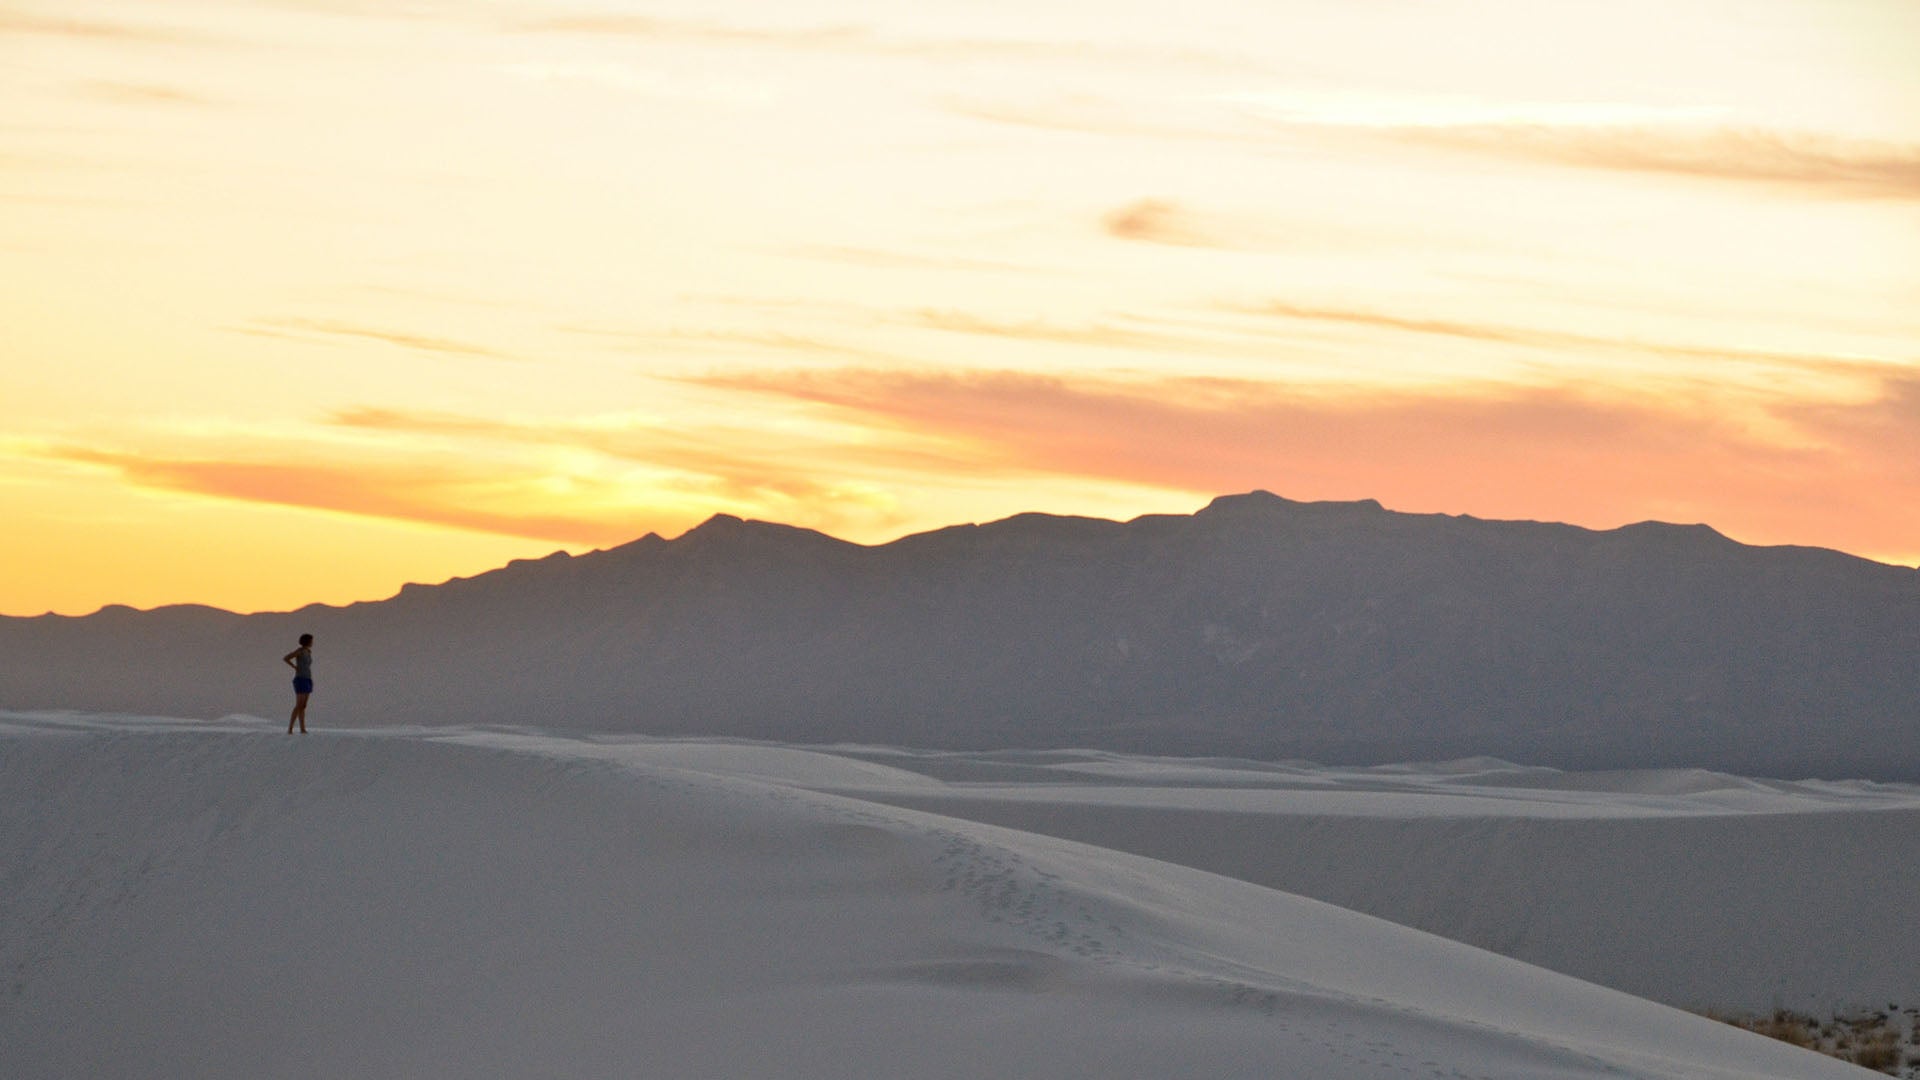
(1698, 889)
(219, 900)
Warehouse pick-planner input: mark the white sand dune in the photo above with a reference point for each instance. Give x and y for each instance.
(1690, 887)
(221, 900)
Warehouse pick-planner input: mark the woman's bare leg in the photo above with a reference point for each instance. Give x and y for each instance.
(299, 714)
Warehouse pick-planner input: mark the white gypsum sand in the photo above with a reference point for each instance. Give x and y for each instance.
(1693, 888)
(222, 900)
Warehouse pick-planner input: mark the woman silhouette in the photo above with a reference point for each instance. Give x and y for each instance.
(301, 661)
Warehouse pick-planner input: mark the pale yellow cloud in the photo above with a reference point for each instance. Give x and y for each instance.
(1159, 221)
(1087, 114)
(1837, 366)
(1097, 334)
(734, 464)
(1187, 224)
(580, 482)
(652, 28)
(855, 37)
(469, 497)
(883, 259)
(1814, 163)
(825, 478)
(1575, 135)
(32, 23)
(323, 329)
(658, 342)
(131, 93)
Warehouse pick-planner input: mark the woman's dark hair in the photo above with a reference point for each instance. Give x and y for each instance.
(306, 639)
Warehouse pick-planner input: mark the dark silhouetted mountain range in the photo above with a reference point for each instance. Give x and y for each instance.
(1256, 627)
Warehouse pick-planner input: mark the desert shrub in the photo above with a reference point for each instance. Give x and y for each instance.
(1878, 1053)
(1871, 1040)
(1783, 1025)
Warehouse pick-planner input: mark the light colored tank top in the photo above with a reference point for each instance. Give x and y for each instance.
(303, 664)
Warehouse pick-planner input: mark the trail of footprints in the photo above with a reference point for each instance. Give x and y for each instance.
(1011, 891)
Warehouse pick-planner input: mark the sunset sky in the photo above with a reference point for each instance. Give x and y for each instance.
(304, 299)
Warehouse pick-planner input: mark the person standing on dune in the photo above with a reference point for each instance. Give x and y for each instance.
(301, 661)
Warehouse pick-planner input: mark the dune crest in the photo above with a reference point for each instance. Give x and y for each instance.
(220, 900)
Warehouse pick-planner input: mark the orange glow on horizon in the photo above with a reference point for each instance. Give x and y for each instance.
(300, 302)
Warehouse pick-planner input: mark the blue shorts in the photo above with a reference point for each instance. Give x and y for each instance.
(302, 686)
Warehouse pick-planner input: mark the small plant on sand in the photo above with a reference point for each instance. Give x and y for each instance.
(1786, 1026)
(1879, 1051)
(1869, 1039)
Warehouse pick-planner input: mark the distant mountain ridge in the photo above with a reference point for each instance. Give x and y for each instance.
(1257, 627)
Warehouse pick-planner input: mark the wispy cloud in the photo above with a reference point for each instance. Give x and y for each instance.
(1182, 224)
(647, 27)
(790, 476)
(1772, 470)
(1825, 164)
(880, 259)
(727, 455)
(436, 495)
(866, 39)
(1885, 426)
(1086, 115)
(1121, 331)
(448, 10)
(594, 482)
(27, 23)
(1160, 222)
(1203, 434)
(654, 342)
(1561, 339)
(126, 93)
(1360, 110)
(49, 161)
(1236, 330)
(321, 329)
(1559, 453)
(1258, 334)
(1097, 334)
(1620, 138)
(1506, 335)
